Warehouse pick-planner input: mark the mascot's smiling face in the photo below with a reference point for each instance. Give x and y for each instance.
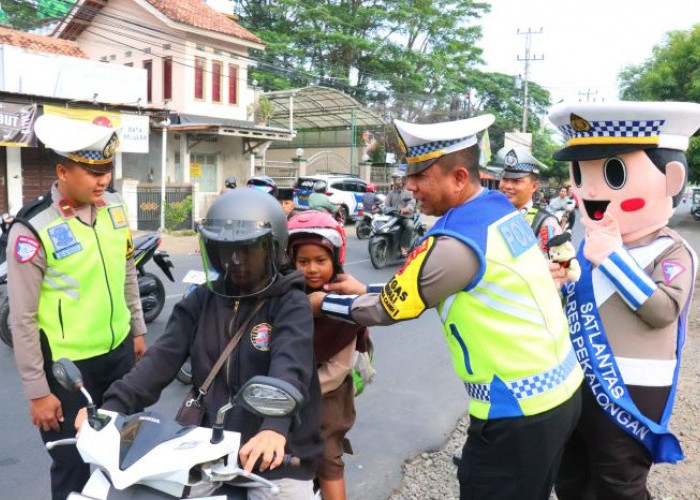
(627, 186)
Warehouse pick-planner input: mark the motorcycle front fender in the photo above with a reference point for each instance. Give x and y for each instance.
(162, 259)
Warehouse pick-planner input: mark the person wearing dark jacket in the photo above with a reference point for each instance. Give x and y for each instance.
(243, 242)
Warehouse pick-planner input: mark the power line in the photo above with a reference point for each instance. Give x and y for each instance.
(590, 95)
(113, 22)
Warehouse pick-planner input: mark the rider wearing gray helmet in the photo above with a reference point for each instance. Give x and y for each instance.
(249, 286)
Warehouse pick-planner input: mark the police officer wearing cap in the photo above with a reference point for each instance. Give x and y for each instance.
(73, 287)
(481, 267)
(519, 182)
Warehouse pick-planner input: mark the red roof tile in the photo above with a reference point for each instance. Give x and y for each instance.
(198, 14)
(40, 43)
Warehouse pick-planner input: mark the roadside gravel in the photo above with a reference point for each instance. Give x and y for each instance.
(432, 475)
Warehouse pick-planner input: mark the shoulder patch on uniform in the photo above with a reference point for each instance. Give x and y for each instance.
(26, 248)
(118, 216)
(401, 297)
(63, 239)
(672, 269)
(260, 336)
(517, 234)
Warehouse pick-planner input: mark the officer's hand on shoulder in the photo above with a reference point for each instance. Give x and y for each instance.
(346, 284)
(46, 412)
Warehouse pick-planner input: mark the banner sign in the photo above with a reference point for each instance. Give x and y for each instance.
(17, 124)
(131, 129)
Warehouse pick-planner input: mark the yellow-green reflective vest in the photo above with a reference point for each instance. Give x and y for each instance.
(506, 331)
(82, 307)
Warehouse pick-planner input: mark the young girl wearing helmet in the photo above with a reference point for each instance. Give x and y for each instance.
(317, 248)
(243, 241)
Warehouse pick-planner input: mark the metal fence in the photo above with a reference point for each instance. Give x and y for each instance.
(284, 173)
(148, 199)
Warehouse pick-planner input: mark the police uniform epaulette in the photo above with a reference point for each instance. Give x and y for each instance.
(28, 211)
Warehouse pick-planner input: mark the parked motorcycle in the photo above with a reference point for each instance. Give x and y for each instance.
(151, 289)
(5, 331)
(696, 212)
(150, 456)
(384, 242)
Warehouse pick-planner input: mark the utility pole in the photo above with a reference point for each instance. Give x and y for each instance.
(526, 59)
(588, 93)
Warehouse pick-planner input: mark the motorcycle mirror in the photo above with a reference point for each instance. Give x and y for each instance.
(269, 397)
(67, 374)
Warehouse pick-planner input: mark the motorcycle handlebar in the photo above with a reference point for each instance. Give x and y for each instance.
(50, 445)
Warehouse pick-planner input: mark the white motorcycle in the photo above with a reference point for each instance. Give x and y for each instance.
(150, 456)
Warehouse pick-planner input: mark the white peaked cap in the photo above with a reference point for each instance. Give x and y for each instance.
(423, 144)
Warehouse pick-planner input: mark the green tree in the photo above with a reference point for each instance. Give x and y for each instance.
(672, 73)
(543, 147)
(401, 54)
(24, 14)
(18, 14)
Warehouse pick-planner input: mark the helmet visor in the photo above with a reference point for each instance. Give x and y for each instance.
(238, 269)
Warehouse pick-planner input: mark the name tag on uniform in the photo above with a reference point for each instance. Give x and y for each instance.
(64, 242)
(118, 217)
(517, 234)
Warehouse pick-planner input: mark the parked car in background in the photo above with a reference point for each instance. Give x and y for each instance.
(344, 190)
(695, 207)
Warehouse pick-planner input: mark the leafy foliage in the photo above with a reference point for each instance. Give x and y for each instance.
(543, 146)
(177, 213)
(672, 73)
(24, 14)
(415, 60)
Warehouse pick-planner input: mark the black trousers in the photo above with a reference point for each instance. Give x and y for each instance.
(601, 461)
(516, 458)
(68, 471)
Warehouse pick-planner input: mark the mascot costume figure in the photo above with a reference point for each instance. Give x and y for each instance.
(628, 312)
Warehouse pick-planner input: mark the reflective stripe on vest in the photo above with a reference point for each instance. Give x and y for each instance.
(82, 307)
(506, 331)
(529, 387)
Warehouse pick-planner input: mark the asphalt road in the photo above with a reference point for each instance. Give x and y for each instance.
(412, 405)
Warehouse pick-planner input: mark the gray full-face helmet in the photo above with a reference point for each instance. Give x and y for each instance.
(243, 241)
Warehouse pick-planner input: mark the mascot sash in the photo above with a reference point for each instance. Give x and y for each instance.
(603, 375)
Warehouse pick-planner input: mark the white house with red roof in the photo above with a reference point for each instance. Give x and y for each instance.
(197, 61)
(37, 71)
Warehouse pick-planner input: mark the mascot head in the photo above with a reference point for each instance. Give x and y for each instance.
(627, 159)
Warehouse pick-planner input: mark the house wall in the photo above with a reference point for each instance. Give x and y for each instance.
(24, 71)
(124, 32)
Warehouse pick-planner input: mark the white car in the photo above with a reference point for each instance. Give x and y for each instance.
(344, 190)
